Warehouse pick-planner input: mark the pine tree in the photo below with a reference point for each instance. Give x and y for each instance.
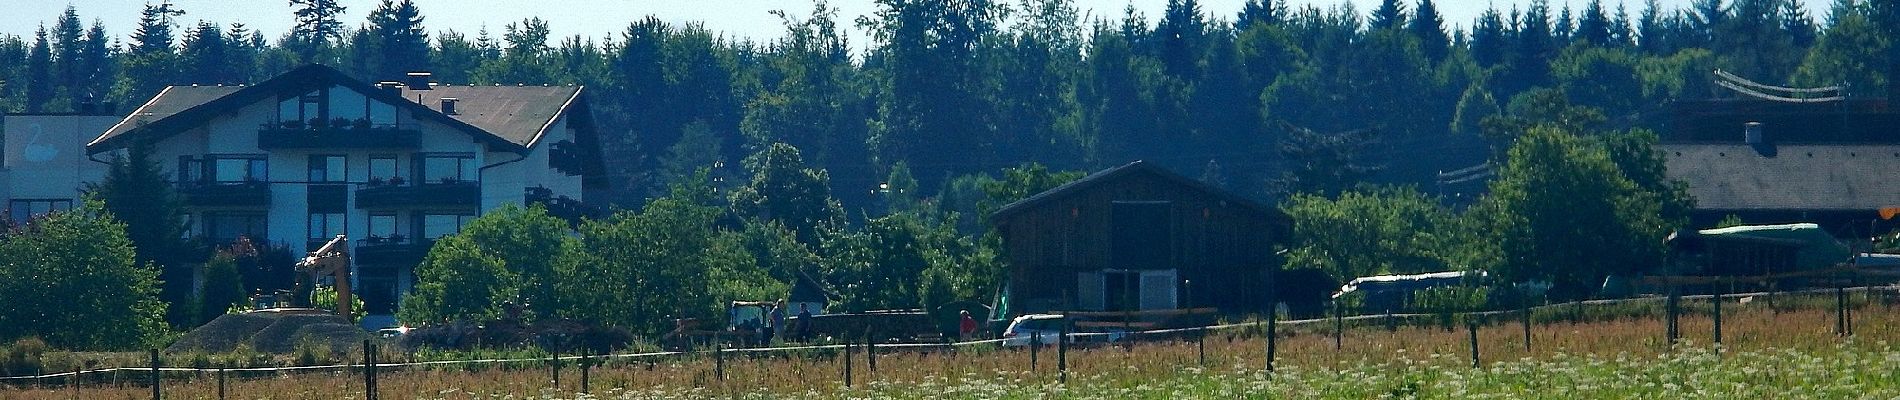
(207, 55)
(137, 192)
(401, 43)
(1182, 34)
(1799, 25)
(1429, 28)
(1620, 34)
(39, 73)
(1595, 26)
(150, 61)
(68, 64)
(1489, 39)
(317, 27)
(1389, 15)
(1260, 12)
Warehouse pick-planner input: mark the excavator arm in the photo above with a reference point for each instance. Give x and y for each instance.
(333, 260)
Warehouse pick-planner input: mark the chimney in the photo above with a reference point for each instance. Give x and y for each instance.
(419, 80)
(393, 87)
(1751, 132)
(448, 105)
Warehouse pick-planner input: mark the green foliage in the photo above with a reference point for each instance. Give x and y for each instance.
(1382, 231)
(223, 286)
(509, 255)
(673, 260)
(785, 190)
(1564, 213)
(323, 297)
(138, 193)
(72, 280)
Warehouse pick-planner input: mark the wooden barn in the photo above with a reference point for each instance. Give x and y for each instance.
(1138, 237)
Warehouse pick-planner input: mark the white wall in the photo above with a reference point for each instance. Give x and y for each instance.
(46, 155)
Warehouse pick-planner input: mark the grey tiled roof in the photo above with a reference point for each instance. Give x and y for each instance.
(515, 116)
(1790, 177)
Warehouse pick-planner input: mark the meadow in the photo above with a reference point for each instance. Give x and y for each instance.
(1767, 352)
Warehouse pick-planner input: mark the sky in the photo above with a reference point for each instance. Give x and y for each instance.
(607, 18)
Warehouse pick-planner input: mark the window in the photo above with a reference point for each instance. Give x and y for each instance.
(347, 104)
(227, 227)
(382, 167)
(327, 168)
(301, 108)
(448, 168)
(190, 169)
(435, 226)
(324, 226)
(238, 169)
(24, 209)
(382, 225)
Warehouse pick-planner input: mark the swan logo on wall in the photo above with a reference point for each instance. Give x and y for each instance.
(37, 151)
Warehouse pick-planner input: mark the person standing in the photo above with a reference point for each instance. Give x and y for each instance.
(774, 319)
(804, 322)
(966, 328)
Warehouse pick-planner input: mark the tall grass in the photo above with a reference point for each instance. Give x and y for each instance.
(1766, 353)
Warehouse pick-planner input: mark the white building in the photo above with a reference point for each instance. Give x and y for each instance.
(310, 154)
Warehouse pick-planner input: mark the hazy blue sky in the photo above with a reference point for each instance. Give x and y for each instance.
(596, 18)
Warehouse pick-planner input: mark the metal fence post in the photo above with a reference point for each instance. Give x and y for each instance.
(1716, 304)
(1273, 323)
(586, 364)
(155, 380)
(719, 361)
(221, 383)
(554, 367)
(1840, 309)
(1471, 326)
(1670, 307)
(369, 370)
(1062, 352)
(1035, 344)
(847, 363)
(1339, 327)
(870, 351)
(1200, 345)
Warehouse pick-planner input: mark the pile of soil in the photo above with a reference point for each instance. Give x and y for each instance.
(272, 331)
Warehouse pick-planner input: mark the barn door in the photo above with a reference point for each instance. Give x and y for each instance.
(1158, 290)
(1088, 290)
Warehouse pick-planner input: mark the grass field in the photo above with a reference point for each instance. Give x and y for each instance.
(1766, 354)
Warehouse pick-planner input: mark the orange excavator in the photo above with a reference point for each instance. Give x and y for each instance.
(332, 260)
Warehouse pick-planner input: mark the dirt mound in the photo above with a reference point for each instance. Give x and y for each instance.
(275, 331)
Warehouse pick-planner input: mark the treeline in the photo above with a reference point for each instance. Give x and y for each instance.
(958, 88)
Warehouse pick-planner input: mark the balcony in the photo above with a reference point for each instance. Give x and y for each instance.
(394, 250)
(358, 134)
(398, 195)
(226, 194)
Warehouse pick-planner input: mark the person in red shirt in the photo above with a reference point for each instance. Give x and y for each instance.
(967, 327)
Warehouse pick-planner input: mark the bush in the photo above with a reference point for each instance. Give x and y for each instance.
(22, 357)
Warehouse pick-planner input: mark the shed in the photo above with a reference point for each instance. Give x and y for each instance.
(1138, 237)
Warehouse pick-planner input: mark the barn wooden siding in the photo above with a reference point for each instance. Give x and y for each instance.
(1223, 245)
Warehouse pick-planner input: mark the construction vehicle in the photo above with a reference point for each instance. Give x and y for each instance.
(331, 260)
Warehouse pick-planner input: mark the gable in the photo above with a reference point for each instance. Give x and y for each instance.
(1135, 174)
(506, 118)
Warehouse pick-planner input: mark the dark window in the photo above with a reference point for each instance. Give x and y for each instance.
(382, 167)
(328, 168)
(22, 210)
(1142, 236)
(190, 169)
(227, 227)
(435, 226)
(324, 226)
(447, 168)
(238, 168)
(382, 225)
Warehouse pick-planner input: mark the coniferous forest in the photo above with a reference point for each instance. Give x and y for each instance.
(1396, 142)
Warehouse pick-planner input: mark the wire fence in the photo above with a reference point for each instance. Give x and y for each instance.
(154, 373)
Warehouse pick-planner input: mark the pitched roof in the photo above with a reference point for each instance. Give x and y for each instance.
(509, 117)
(1130, 169)
(1789, 177)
